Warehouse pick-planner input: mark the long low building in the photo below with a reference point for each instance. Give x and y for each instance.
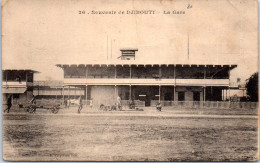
(148, 82)
(54, 89)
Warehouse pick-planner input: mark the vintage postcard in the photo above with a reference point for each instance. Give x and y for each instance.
(132, 80)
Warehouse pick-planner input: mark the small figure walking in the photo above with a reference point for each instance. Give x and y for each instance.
(33, 100)
(66, 103)
(33, 104)
(9, 104)
(132, 104)
(80, 105)
(159, 106)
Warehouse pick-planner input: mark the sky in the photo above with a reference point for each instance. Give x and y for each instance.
(38, 34)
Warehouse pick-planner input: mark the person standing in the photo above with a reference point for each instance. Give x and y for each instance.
(159, 106)
(66, 104)
(9, 104)
(80, 105)
(91, 103)
(132, 104)
(118, 103)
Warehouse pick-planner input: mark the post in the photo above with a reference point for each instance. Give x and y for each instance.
(159, 93)
(56, 93)
(226, 95)
(63, 93)
(204, 93)
(174, 74)
(69, 93)
(115, 92)
(205, 72)
(222, 95)
(75, 92)
(130, 92)
(174, 93)
(86, 93)
(229, 94)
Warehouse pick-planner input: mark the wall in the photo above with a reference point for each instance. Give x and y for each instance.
(103, 95)
(189, 92)
(167, 90)
(123, 92)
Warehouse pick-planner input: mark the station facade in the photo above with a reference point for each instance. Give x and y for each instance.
(150, 83)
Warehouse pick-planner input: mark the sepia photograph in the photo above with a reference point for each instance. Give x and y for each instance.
(132, 80)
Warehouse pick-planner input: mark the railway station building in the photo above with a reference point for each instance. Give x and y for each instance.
(150, 83)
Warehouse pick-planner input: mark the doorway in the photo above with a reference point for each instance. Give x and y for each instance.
(196, 96)
(181, 96)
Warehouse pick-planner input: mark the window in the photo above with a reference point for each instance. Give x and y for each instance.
(168, 96)
(16, 96)
(75, 72)
(181, 96)
(196, 96)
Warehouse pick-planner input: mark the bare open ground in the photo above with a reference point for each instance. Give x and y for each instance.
(101, 137)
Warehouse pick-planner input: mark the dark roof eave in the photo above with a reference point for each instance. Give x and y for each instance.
(29, 70)
(127, 64)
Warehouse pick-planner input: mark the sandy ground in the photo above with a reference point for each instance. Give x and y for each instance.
(129, 136)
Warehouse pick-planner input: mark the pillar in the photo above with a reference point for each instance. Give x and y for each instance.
(115, 72)
(229, 94)
(130, 92)
(115, 92)
(69, 93)
(205, 72)
(86, 93)
(63, 93)
(226, 94)
(174, 76)
(75, 92)
(86, 72)
(204, 93)
(56, 92)
(222, 95)
(174, 73)
(174, 94)
(159, 93)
